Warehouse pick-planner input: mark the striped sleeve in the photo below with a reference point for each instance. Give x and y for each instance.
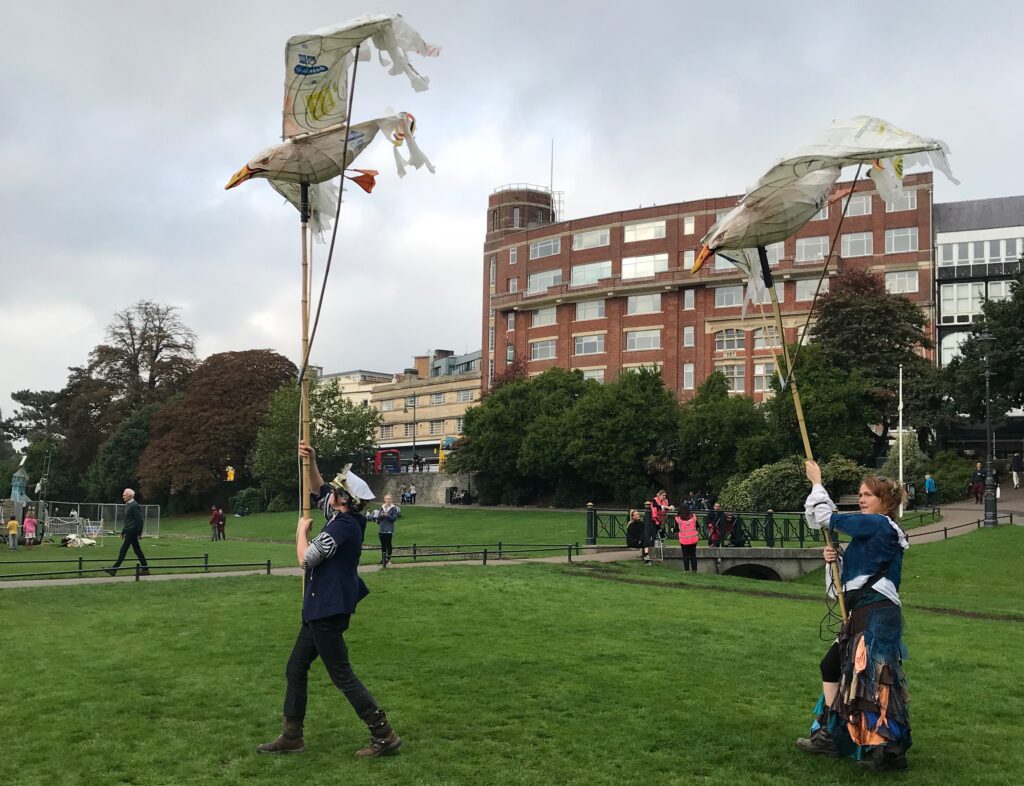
(320, 549)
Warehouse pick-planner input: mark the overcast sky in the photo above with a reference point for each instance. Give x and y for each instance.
(122, 122)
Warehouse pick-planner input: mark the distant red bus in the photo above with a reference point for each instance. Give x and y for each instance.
(387, 460)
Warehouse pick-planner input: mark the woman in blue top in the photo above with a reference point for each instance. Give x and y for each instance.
(332, 590)
(862, 712)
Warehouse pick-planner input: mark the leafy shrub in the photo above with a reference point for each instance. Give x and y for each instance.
(915, 464)
(783, 484)
(281, 503)
(952, 474)
(248, 501)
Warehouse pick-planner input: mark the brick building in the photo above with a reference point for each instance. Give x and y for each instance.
(614, 291)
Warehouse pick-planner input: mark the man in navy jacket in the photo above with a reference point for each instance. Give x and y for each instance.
(332, 590)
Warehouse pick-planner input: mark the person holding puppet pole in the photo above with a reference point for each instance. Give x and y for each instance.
(331, 590)
(863, 711)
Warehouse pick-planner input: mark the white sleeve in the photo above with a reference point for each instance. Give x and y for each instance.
(819, 507)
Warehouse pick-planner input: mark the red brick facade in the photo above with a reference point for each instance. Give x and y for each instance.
(505, 242)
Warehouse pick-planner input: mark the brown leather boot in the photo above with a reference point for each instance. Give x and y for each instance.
(290, 740)
(383, 740)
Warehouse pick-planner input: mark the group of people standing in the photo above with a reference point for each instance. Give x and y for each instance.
(28, 528)
(218, 521)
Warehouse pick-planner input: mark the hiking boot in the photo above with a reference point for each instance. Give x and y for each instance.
(819, 742)
(290, 740)
(383, 740)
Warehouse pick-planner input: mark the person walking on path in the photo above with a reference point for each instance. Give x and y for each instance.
(1017, 468)
(862, 712)
(133, 526)
(978, 483)
(412, 493)
(386, 518)
(12, 533)
(929, 488)
(332, 589)
(686, 526)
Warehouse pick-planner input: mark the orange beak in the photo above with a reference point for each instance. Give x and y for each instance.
(240, 176)
(702, 257)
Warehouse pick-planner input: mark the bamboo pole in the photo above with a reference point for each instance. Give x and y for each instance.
(304, 389)
(798, 406)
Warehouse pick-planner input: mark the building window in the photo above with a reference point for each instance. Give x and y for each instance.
(901, 282)
(730, 339)
(728, 296)
(539, 282)
(688, 336)
(490, 371)
(648, 230)
(735, 375)
(906, 202)
(763, 373)
(387, 405)
(811, 249)
(494, 270)
(857, 244)
(494, 220)
(542, 350)
(689, 225)
(961, 302)
(822, 214)
(643, 304)
(687, 376)
(721, 263)
(513, 285)
(766, 297)
(949, 348)
(545, 248)
(387, 432)
(463, 396)
(688, 259)
(643, 339)
(513, 255)
(458, 425)
(766, 338)
(510, 320)
(776, 251)
(589, 309)
(899, 241)
(436, 398)
(643, 267)
(805, 288)
(543, 316)
(688, 300)
(999, 290)
(722, 212)
(596, 374)
(590, 345)
(516, 213)
(858, 205)
(590, 274)
(410, 429)
(490, 338)
(410, 402)
(437, 427)
(595, 238)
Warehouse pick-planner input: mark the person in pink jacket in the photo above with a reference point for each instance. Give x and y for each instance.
(30, 528)
(686, 525)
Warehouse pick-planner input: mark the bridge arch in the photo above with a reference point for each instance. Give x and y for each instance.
(753, 571)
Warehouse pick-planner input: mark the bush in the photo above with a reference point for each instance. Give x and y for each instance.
(782, 486)
(281, 503)
(915, 464)
(247, 501)
(952, 473)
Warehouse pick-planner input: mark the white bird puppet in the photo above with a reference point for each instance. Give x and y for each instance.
(790, 193)
(316, 112)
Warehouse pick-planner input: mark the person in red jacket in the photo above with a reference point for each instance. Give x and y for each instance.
(659, 511)
(686, 526)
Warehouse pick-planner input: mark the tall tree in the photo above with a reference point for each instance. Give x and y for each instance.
(149, 352)
(340, 430)
(862, 327)
(210, 426)
(116, 463)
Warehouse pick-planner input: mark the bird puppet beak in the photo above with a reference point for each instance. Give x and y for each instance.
(240, 176)
(702, 257)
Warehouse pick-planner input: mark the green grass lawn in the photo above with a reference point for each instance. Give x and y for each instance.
(529, 674)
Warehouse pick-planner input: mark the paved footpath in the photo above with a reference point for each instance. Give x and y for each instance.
(958, 518)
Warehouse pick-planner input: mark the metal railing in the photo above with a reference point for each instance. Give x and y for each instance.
(976, 524)
(420, 552)
(202, 562)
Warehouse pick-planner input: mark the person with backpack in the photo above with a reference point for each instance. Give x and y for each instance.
(686, 527)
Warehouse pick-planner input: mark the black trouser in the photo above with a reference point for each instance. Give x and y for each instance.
(385, 545)
(689, 556)
(133, 541)
(325, 638)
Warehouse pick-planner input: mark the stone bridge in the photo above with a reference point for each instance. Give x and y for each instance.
(773, 564)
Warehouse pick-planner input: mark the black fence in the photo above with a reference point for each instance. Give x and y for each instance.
(775, 530)
(421, 552)
(154, 564)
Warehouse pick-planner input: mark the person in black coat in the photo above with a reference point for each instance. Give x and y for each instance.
(130, 534)
(332, 588)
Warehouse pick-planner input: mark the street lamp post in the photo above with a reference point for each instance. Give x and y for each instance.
(986, 340)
